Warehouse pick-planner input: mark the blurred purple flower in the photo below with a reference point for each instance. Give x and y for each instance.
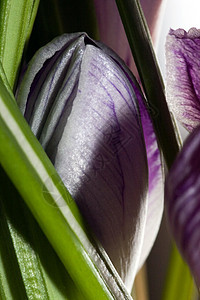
(88, 112)
(182, 192)
(111, 29)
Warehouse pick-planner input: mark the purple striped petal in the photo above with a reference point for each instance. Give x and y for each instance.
(156, 181)
(86, 109)
(182, 195)
(183, 72)
(155, 169)
(108, 153)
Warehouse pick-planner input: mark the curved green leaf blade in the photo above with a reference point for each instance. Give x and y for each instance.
(38, 271)
(11, 284)
(16, 22)
(24, 160)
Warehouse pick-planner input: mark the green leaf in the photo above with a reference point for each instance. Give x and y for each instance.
(16, 22)
(34, 176)
(11, 284)
(31, 267)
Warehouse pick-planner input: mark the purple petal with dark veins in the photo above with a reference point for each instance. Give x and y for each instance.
(155, 169)
(156, 179)
(87, 117)
(155, 165)
(183, 73)
(182, 196)
(105, 166)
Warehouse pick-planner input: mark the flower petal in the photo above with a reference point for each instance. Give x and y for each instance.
(183, 71)
(155, 169)
(156, 181)
(93, 134)
(108, 148)
(182, 196)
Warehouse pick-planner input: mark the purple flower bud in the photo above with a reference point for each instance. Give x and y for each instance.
(87, 111)
(183, 73)
(182, 196)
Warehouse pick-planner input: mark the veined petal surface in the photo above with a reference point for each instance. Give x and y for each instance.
(83, 109)
(156, 180)
(183, 72)
(155, 164)
(182, 196)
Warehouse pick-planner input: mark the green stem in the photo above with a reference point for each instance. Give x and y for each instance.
(143, 53)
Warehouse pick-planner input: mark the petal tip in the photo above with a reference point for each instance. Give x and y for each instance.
(181, 33)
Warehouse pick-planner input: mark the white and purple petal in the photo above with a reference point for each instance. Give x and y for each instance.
(156, 180)
(89, 125)
(105, 138)
(87, 110)
(155, 165)
(182, 196)
(182, 75)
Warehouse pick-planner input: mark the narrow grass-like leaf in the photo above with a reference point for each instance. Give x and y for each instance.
(25, 162)
(16, 22)
(11, 284)
(35, 267)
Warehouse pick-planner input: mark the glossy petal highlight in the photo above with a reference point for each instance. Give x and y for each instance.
(83, 108)
(182, 196)
(183, 73)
